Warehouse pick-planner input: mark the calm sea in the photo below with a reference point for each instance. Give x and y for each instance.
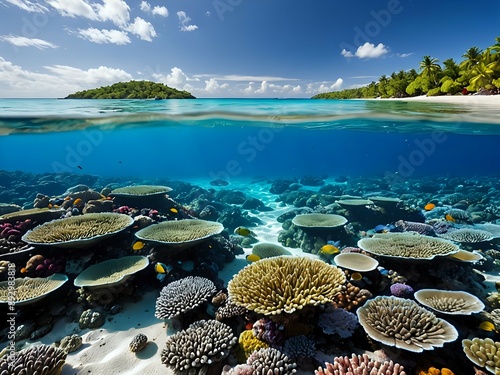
(248, 138)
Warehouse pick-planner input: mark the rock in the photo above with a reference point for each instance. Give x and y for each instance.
(115, 309)
(252, 204)
(280, 186)
(71, 343)
(24, 330)
(91, 318)
(40, 332)
(138, 343)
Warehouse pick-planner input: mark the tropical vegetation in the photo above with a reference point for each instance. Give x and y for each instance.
(132, 90)
(479, 71)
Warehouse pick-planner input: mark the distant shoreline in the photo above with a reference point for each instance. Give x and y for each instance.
(452, 99)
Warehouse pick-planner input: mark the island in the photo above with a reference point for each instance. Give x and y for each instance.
(132, 90)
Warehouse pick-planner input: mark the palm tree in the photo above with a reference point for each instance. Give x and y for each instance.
(483, 76)
(472, 57)
(429, 68)
(451, 69)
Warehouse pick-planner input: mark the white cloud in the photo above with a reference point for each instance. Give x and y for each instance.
(74, 8)
(104, 36)
(314, 88)
(62, 80)
(176, 79)
(367, 51)
(243, 78)
(405, 54)
(142, 29)
(28, 6)
(184, 20)
(213, 86)
(116, 11)
(21, 41)
(157, 10)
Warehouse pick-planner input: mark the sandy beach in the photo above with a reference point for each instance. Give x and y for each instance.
(487, 100)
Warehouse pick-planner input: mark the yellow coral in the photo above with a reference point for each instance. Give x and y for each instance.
(248, 343)
(435, 371)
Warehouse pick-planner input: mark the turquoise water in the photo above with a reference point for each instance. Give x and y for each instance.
(240, 138)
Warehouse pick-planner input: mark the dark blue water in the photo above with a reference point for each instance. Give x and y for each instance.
(232, 139)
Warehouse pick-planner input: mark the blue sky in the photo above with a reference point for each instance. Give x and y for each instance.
(229, 48)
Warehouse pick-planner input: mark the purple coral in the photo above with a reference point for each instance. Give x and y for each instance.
(338, 321)
(413, 226)
(267, 330)
(401, 290)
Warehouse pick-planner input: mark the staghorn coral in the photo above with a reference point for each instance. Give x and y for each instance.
(139, 191)
(271, 361)
(409, 245)
(193, 350)
(351, 297)
(78, 231)
(338, 321)
(180, 233)
(111, 272)
(285, 284)
(35, 360)
(248, 343)
(403, 323)
(412, 226)
(183, 295)
(467, 235)
(29, 290)
(449, 302)
(138, 343)
(299, 346)
(319, 221)
(360, 365)
(483, 353)
(267, 250)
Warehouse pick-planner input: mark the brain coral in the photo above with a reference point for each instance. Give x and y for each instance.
(407, 245)
(180, 233)
(29, 290)
(183, 295)
(403, 323)
(285, 284)
(193, 350)
(78, 231)
(39, 359)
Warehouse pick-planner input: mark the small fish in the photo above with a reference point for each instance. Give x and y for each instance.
(334, 243)
(381, 228)
(23, 270)
(488, 326)
(79, 167)
(162, 270)
(329, 249)
(242, 231)
(448, 217)
(429, 206)
(138, 246)
(252, 258)
(77, 201)
(249, 326)
(49, 205)
(174, 210)
(356, 276)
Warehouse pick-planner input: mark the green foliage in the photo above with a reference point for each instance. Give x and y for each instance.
(479, 70)
(132, 90)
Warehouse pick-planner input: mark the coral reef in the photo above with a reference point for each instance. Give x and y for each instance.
(30, 290)
(449, 302)
(267, 250)
(271, 360)
(299, 347)
(483, 353)
(39, 359)
(337, 321)
(351, 297)
(360, 365)
(248, 343)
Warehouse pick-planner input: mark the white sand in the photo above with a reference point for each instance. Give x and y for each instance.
(486, 100)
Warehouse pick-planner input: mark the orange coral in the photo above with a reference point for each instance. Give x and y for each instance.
(435, 371)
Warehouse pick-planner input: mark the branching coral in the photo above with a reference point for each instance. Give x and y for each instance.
(285, 284)
(193, 350)
(338, 321)
(483, 353)
(271, 361)
(40, 359)
(183, 295)
(360, 365)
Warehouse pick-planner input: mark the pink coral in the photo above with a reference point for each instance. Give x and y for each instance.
(358, 365)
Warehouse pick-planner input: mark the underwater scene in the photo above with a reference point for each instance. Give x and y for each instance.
(249, 236)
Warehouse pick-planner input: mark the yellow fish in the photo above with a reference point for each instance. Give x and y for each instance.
(77, 201)
(252, 258)
(138, 245)
(488, 326)
(174, 210)
(329, 249)
(242, 231)
(448, 217)
(356, 276)
(161, 270)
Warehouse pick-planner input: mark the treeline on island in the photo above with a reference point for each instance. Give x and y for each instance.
(132, 90)
(479, 71)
